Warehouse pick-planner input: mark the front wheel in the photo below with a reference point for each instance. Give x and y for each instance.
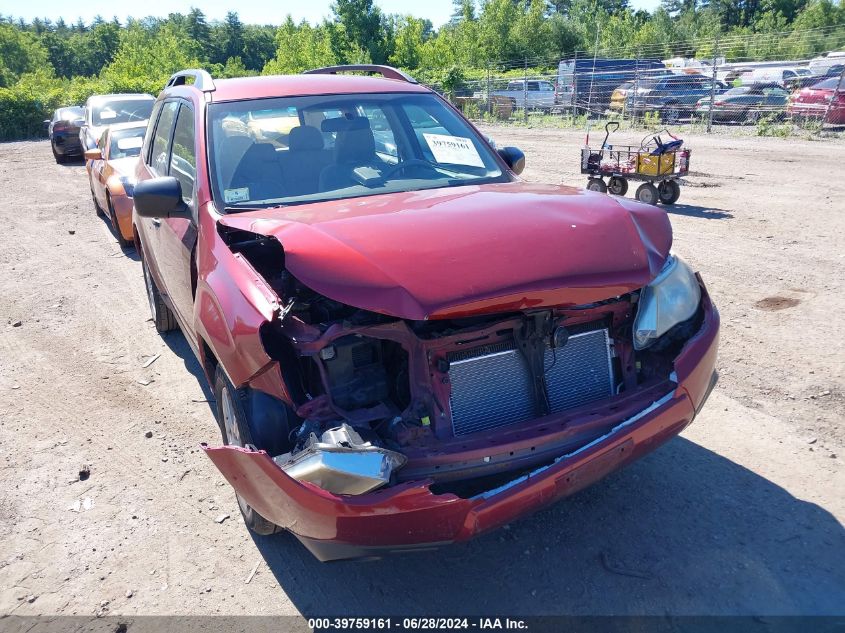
(671, 114)
(618, 186)
(596, 184)
(669, 191)
(124, 243)
(752, 116)
(647, 193)
(235, 431)
(163, 317)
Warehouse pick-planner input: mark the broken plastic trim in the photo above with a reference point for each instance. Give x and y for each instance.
(654, 405)
(341, 462)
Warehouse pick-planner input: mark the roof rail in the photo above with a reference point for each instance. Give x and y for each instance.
(202, 80)
(388, 72)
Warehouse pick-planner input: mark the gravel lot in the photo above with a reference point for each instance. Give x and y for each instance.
(741, 515)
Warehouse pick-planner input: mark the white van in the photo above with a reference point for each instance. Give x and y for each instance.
(781, 75)
(821, 65)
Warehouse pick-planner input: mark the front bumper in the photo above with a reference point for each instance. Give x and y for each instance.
(410, 516)
(833, 114)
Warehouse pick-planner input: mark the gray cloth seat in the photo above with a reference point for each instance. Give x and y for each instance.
(261, 171)
(304, 161)
(354, 148)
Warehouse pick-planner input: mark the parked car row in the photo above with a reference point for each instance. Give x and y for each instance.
(108, 133)
(650, 86)
(679, 96)
(381, 382)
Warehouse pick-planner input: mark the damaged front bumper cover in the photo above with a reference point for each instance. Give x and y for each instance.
(409, 516)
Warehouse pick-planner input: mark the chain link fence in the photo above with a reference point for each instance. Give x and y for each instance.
(775, 83)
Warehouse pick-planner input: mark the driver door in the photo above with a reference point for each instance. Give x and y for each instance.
(177, 236)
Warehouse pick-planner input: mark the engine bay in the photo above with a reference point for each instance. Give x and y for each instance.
(447, 399)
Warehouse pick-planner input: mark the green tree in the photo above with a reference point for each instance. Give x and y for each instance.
(20, 52)
(259, 46)
(494, 29)
(531, 33)
(197, 29)
(233, 31)
(363, 29)
(146, 58)
(300, 47)
(408, 41)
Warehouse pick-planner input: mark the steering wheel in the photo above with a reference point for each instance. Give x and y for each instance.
(413, 162)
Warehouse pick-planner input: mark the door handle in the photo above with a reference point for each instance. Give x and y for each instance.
(156, 222)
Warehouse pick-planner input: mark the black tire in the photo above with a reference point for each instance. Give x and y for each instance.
(235, 431)
(647, 193)
(752, 116)
(596, 184)
(163, 317)
(618, 186)
(124, 243)
(669, 191)
(97, 206)
(671, 113)
(61, 159)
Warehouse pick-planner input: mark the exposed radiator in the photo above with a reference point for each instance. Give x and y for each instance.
(491, 386)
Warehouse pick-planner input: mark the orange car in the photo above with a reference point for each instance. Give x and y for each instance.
(111, 168)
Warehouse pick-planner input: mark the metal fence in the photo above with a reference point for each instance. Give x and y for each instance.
(777, 80)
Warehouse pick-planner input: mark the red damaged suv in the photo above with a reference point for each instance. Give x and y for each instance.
(408, 344)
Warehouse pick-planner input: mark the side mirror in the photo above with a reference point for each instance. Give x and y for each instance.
(514, 158)
(160, 198)
(46, 123)
(93, 154)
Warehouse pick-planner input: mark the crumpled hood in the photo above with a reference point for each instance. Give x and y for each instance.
(468, 250)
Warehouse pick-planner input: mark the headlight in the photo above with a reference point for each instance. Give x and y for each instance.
(672, 298)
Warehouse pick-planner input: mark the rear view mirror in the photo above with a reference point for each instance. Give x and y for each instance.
(93, 154)
(160, 198)
(514, 158)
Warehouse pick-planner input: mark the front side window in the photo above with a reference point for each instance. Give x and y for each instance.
(183, 159)
(331, 147)
(121, 111)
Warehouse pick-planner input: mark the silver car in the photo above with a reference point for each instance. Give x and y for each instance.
(102, 111)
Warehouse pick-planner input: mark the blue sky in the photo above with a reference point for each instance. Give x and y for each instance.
(438, 11)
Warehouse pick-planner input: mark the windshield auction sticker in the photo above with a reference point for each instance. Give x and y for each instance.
(454, 150)
(236, 195)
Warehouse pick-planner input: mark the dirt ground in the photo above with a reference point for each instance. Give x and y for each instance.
(740, 515)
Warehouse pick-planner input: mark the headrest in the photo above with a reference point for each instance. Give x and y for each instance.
(305, 137)
(260, 151)
(355, 146)
(342, 124)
